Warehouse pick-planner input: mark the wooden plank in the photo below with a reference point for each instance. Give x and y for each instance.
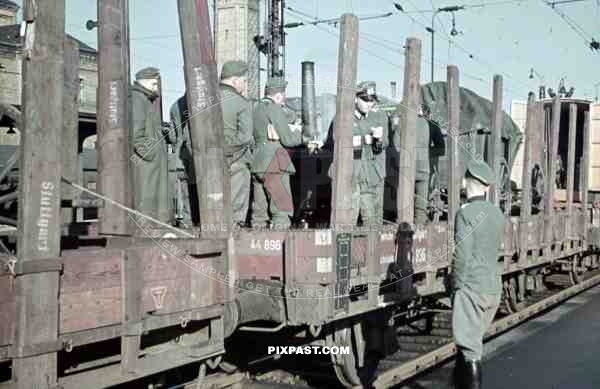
(39, 188)
(131, 291)
(525, 212)
(341, 201)
(102, 307)
(408, 136)
(495, 146)
(151, 364)
(454, 180)
(113, 124)
(206, 119)
(150, 322)
(8, 310)
(70, 130)
(584, 184)
(550, 177)
(571, 166)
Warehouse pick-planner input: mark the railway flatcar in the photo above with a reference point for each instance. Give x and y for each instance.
(135, 297)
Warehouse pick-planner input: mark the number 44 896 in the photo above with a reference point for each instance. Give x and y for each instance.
(267, 244)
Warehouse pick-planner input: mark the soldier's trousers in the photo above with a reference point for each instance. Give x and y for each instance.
(240, 191)
(472, 314)
(272, 192)
(421, 201)
(364, 202)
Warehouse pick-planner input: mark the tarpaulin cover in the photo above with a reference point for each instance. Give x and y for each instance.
(475, 122)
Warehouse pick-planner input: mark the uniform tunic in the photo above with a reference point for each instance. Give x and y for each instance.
(272, 166)
(479, 227)
(368, 173)
(149, 165)
(180, 121)
(239, 142)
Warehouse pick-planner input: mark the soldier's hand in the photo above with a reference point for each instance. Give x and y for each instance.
(314, 145)
(377, 146)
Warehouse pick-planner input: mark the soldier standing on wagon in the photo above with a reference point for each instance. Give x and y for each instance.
(272, 166)
(239, 141)
(369, 140)
(149, 139)
(477, 283)
(180, 117)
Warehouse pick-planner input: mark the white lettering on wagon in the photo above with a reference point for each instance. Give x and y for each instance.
(387, 236)
(113, 104)
(158, 296)
(324, 264)
(47, 194)
(323, 238)
(267, 244)
(387, 259)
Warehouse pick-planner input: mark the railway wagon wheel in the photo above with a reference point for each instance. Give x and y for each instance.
(577, 270)
(511, 296)
(356, 368)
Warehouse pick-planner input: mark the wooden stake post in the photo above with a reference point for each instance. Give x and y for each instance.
(584, 183)
(70, 131)
(341, 207)
(495, 145)
(549, 200)
(408, 135)
(454, 178)
(407, 150)
(114, 152)
(571, 168)
(37, 281)
(525, 212)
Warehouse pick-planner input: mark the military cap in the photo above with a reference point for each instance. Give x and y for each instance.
(233, 69)
(147, 73)
(367, 88)
(275, 85)
(481, 171)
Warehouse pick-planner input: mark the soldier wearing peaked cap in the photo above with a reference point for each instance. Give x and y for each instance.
(149, 138)
(239, 142)
(477, 284)
(369, 141)
(272, 165)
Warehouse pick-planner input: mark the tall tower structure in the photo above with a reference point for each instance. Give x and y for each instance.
(236, 25)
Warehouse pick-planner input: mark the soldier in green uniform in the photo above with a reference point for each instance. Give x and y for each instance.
(189, 196)
(239, 141)
(272, 166)
(477, 283)
(369, 139)
(149, 139)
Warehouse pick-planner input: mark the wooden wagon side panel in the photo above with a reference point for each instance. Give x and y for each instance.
(90, 289)
(8, 310)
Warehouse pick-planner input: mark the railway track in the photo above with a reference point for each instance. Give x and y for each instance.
(425, 347)
(423, 358)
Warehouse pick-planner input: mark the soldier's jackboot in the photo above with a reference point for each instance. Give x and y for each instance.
(467, 374)
(474, 374)
(459, 376)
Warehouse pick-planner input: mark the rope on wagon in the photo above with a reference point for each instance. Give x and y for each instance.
(130, 210)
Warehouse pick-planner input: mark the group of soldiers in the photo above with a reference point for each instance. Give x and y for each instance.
(256, 139)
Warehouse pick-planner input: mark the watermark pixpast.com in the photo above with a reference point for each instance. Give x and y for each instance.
(308, 350)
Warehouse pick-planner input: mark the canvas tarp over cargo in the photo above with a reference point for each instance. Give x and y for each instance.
(475, 124)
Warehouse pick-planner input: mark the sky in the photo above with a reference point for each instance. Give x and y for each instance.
(496, 37)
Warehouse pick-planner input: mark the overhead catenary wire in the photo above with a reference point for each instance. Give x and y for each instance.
(302, 14)
(587, 37)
